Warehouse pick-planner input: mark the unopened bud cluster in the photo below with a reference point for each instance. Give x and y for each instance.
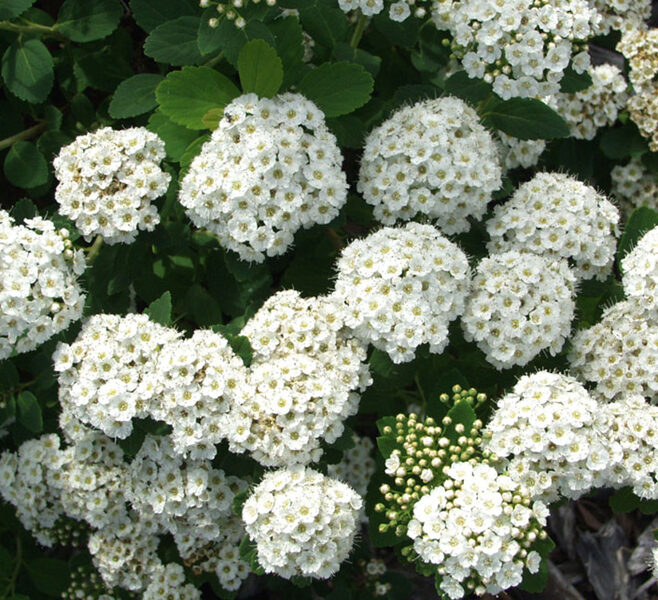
(230, 11)
(397, 11)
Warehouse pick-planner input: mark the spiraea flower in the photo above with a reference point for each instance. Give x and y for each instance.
(397, 11)
(640, 48)
(270, 168)
(515, 153)
(39, 290)
(305, 376)
(620, 353)
(520, 305)
(108, 375)
(640, 271)
(557, 216)
(622, 15)
(548, 431)
(168, 581)
(108, 180)
(433, 158)
(302, 522)
(402, 287)
(633, 185)
(522, 47)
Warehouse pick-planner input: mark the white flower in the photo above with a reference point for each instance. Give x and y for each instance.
(633, 185)
(640, 271)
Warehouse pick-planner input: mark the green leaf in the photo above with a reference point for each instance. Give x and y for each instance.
(25, 166)
(202, 307)
(230, 39)
(573, 82)
(27, 70)
(175, 42)
(526, 119)
(88, 20)
(461, 413)
(176, 137)
(8, 375)
(185, 96)
(6, 563)
(160, 310)
(640, 222)
(403, 34)
(535, 583)
(29, 412)
(337, 88)
(325, 23)
(623, 142)
(49, 575)
(103, 70)
(471, 90)
(238, 502)
(150, 13)
(135, 96)
(192, 150)
(23, 209)
(289, 46)
(260, 69)
(10, 9)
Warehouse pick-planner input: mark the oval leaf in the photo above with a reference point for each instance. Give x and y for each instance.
(175, 42)
(185, 96)
(10, 9)
(160, 310)
(176, 137)
(88, 20)
(150, 13)
(29, 412)
(135, 96)
(27, 70)
(260, 69)
(337, 88)
(525, 119)
(25, 166)
(471, 90)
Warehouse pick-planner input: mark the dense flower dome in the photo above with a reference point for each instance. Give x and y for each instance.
(302, 522)
(39, 290)
(402, 287)
(558, 216)
(622, 15)
(640, 271)
(522, 47)
(304, 380)
(433, 158)
(520, 305)
(620, 353)
(633, 185)
(107, 181)
(270, 168)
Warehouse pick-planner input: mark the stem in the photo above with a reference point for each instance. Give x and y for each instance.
(214, 60)
(94, 249)
(358, 30)
(17, 388)
(23, 135)
(33, 28)
(11, 586)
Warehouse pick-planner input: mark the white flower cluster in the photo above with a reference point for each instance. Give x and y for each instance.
(303, 523)
(620, 353)
(622, 15)
(640, 271)
(24, 484)
(107, 181)
(356, 467)
(270, 168)
(520, 305)
(558, 216)
(191, 501)
(402, 287)
(199, 377)
(433, 158)
(39, 292)
(548, 430)
(519, 153)
(108, 375)
(643, 110)
(633, 185)
(169, 582)
(397, 11)
(596, 106)
(304, 378)
(478, 527)
(521, 46)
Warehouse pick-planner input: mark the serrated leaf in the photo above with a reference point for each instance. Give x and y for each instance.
(88, 20)
(461, 413)
(325, 23)
(150, 13)
(25, 166)
(175, 42)
(27, 70)
(573, 82)
(623, 142)
(10, 9)
(160, 310)
(212, 118)
(23, 209)
(29, 412)
(260, 69)
(49, 575)
(135, 96)
(175, 137)
(230, 39)
(289, 46)
(526, 119)
(471, 90)
(640, 222)
(185, 96)
(337, 88)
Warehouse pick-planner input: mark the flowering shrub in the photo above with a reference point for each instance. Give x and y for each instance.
(322, 298)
